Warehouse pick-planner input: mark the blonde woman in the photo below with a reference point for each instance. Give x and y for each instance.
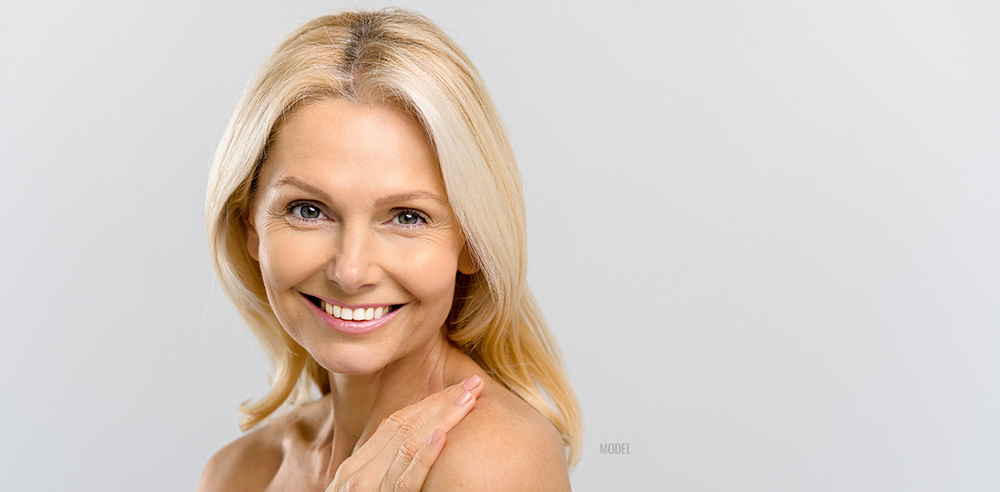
(365, 216)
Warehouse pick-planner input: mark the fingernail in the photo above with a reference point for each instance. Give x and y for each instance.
(471, 383)
(435, 436)
(462, 400)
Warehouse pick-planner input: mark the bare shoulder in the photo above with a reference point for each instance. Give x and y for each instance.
(503, 444)
(246, 464)
(251, 462)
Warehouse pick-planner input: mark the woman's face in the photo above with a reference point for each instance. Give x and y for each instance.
(351, 218)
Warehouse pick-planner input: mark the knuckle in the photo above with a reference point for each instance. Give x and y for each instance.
(423, 460)
(408, 449)
(403, 484)
(396, 420)
(352, 484)
(411, 425)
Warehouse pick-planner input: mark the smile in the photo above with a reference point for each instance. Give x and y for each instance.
(360, 313)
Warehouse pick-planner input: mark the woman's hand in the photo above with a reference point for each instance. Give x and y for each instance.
(402, 450)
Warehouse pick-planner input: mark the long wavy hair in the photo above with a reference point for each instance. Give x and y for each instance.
(398, 58)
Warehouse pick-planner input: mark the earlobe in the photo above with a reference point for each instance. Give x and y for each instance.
(466, 265)
(253, 240)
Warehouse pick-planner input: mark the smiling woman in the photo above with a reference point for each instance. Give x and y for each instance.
(371, 233)
(365, 216)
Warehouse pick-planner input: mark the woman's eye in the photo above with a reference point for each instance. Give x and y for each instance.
(307, 211)
(409, 217)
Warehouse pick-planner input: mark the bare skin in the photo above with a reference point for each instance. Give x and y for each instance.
(502, 444)
(351, 210)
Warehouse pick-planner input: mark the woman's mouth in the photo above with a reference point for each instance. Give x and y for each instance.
(355, 314)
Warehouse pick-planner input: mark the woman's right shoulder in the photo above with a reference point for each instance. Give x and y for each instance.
(246, 464)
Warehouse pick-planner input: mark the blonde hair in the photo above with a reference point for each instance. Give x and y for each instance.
(402, 59)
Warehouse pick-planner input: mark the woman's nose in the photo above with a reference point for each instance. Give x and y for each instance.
(352, 266)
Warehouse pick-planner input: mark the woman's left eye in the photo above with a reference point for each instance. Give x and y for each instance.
(409, 218)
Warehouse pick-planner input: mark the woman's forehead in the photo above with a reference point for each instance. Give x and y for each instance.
(347, 127)
(338, 144)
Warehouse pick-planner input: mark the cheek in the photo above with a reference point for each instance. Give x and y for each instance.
(429, 272)
(286, 261)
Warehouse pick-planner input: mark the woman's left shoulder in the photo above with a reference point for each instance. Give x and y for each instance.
(503, 444)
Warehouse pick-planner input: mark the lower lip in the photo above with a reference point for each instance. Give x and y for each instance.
(352, 327)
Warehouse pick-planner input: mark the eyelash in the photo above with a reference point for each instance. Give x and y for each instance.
(290, 210)
(401, 211)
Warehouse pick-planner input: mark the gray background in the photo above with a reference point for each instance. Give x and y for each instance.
(766, 234)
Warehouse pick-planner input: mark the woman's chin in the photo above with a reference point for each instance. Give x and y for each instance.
(346, 368)
(351, 362)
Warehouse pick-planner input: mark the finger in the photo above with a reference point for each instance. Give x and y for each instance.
(415, 474)
(448, 415)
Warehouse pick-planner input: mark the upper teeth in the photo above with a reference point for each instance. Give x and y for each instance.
(360, 314)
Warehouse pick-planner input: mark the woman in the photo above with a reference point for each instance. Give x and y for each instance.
(365, 215)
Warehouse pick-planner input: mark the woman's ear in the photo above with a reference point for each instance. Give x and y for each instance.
(466, 265)
(253, 240)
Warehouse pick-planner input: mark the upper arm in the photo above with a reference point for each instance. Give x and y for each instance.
(500, 457)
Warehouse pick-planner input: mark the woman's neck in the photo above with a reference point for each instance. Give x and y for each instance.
(359, 403)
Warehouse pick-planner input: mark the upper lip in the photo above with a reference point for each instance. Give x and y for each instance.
(351, 306)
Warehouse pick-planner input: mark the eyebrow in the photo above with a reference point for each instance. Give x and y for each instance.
(298, 183)
(382, 201)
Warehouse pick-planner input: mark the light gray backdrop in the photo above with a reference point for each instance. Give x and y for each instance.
(766, 234)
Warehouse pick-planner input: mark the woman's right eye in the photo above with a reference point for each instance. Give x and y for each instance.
(306, 211)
